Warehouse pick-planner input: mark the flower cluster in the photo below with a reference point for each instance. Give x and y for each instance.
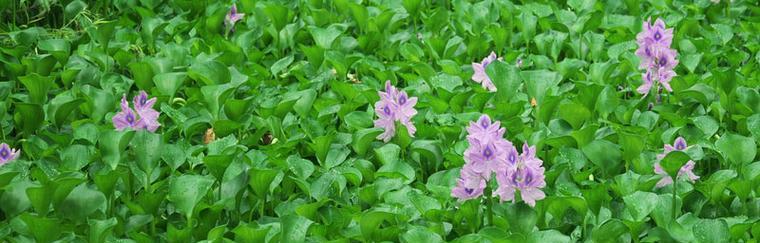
(480, 74)
(686, 169)
(142, 117)
(7, 154)
(490, 153)
(657, 59)
(394, 105)
(232, 17)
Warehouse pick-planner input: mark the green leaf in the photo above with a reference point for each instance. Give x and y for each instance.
(753, 125)
(737, 149)
(364, 138)
(30, 117)
(335, 157)
(420, 234)
(210, 72)
(101, 229)
(711, 230)
(75, 157)
(261, 180)
(604, 154)
(609, 231)
(169, 83)
(44, 229)
(300, 167)
(281, 65)
(505, 78)
(147, 149)
(186, 191)
(324, 38)
(82, 202)
(447, 82)
(707, 124)
(294, 228)
(37, 86)
(574, 113)
(673, 162)
(143, 74)
(640, 204)
(388, 153)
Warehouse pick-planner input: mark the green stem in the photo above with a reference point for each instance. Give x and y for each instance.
(489, 206)
(675, 190)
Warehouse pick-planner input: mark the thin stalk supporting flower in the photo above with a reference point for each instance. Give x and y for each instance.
(657, 58)
(394, 105)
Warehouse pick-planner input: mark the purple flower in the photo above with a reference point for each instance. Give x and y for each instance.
(469, 185)
(142, 117)
(526, 176)
(485, 131)
(480, 74)
(386, 112)
(232, 17)
(7, 154)
(485, 158)
(394, 105)
(687, 169)
(656, 56)
(655, 34)
(126, 118)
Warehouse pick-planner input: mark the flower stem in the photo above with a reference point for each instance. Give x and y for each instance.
(489, 205)
(675, 190)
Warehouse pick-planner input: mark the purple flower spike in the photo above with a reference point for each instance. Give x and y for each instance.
(686, 170)
(656, 56)
(527, 176)
(232, 17)
(394, 105)
(7, 154)
(480, 74)
(142, 117)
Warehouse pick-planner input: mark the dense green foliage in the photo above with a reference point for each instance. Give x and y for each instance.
(290, 93)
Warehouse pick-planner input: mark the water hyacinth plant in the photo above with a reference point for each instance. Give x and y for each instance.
(686, 170)
(656, 57)
(143, 117)
(488, 154)
(394, 106)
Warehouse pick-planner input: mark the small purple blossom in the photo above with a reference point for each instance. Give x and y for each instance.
(526, 176)
(480, 74)
(685, 170)
(394, 105)
(485, 158)
(7, 154)
(469, 185)
(485, 131)
(232, 17)
(142, 117)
